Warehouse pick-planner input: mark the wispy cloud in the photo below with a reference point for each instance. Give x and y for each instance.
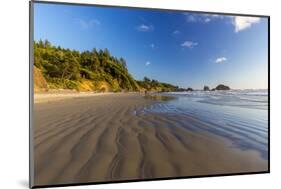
(214, 15)
(221, 60)
(207, 20)
(191, 18)
(203, 18)
(189, 44)
(241, 22)
(145, 28)
(176, 32)
(86, 24)
(152, 45)
(147, 63)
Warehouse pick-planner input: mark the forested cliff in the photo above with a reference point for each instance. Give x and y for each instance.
(97, 70)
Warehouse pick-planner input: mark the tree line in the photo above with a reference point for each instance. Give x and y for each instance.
(98, 69)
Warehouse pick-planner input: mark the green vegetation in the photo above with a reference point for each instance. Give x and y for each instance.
(154, 85)
(59, 68)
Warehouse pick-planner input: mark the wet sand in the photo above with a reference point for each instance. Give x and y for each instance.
(101, 138)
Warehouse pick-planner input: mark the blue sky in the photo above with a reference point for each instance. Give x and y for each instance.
(182, 48)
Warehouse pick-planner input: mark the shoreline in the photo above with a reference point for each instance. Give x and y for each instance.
(54, 95)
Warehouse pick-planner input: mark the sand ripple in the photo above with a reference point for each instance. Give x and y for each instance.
(100, 138)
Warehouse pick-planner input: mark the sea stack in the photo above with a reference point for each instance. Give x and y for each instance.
(222, 87)
(206, 88)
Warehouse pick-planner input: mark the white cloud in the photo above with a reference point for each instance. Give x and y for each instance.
(191, 18)
(189, 44)
(203, 18)
(147, 63)
(176, 32)
(221, 60)
(241, 22)
(207, 19)
(86, 24)
(145, 28)
(214, 15)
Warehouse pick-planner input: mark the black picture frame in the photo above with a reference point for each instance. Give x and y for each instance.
(31, 39)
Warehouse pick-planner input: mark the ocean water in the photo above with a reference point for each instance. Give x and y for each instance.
(239, 115)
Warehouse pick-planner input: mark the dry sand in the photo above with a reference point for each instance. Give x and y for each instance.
(100, 138)
(54, 96)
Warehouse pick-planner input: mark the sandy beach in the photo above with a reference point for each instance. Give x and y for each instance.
(54, 96)
(102, 138)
